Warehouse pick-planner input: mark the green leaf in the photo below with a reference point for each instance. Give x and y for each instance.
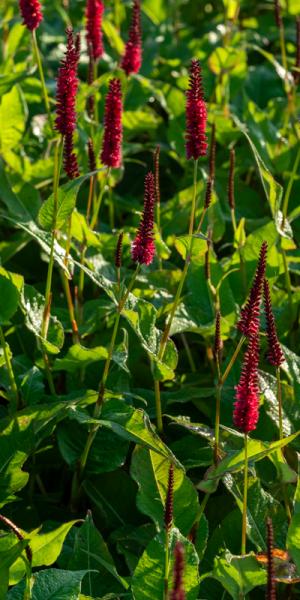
(293, 536)
(52, 584)
(46, 547)
(151, 472)
(90, 551)
(12, 124)
(272, 189)
(7, 558)
(33, 304)
(66, 201)
(10, 287)
(256, 451)
(79, 357)
(238, 574)
(148, 577)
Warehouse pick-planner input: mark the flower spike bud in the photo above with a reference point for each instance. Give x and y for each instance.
(271, 585)
(143, 247)
(231, 200)
(94, 13)
(246, 407)
(118, 254)
(196, 114)
(178, 592)
(31, 12)
(91, 156)
(132, 59)
(248, 323)
(111, 154)
(168, 516)
(218, 345)
(275, 355)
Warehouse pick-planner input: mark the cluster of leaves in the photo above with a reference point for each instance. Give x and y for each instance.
(110, 543)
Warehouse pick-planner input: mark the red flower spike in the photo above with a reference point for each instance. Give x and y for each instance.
(246, 407)
(168, 516)
(248, 323)
(132, 59)
(143, 247)
(67, 84)
(111, 154)
(94, 13)
(178, 592)
(70, 158)
(275, 355)
(196, 115)
(31, 12)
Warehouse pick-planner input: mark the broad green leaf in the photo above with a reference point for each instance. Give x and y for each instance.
(156, 11)
(148, 577)
(238, 574)
(52, 584)
(256, 451)
(33, 304)
(113, 36)
(90, 551)
(7, 558)
(272, 189)
(66, 201)
(293, 536)
(151, 471)
(79, 357)
(46, 547)
(10, 287)
(12, 124)
(260, 505)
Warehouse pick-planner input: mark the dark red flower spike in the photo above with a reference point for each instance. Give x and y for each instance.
(111, 154)
(143, 247)
(178, 592)
(31, 12)
(94, 14)
(275, 355)
(246, 407)
(248, 323)
(132, 59)
(196, 114)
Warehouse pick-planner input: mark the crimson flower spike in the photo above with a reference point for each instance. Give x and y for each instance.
(132, 59)
(118, 253)
(218, 345)
(275, 355)
(143, 247)
(94, 13)
(196, 114)
(246, 407)
(168, 515)
(248, 323)
(178, 592)
(111, 154)
(31, 12)
(271, 585)
(67, 85)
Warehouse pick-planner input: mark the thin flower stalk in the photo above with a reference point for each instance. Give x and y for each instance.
(118, 257)
(218, 345)
(245, 496)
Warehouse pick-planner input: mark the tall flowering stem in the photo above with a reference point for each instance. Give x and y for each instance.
(196, 146)
(31, 12)
(218, 345)
(143, 247)
(111, 154)
(132, 59)
(275, 355)
(246, 412)
(211, 176)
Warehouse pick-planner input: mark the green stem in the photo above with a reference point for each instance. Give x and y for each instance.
(158, 410)
(279, 398)
(95, 216)
(101, 389)
(217, 423)
(10, 371)
(188, 353)
(42, 78)
(289, 188)
(244, 522)
(95, 75)
(57, 168)
(287, 281)
(232, 360)
(203, 506)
